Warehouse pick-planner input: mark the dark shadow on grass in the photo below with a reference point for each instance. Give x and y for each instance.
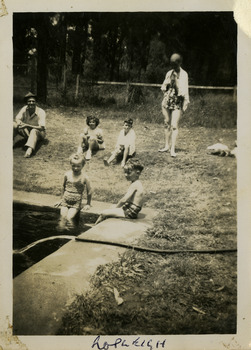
(19, 143)
(99, 153)
(44, 142)
(185, 150)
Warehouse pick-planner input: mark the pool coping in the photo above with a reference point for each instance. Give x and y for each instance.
(48, 200)
(42, 293)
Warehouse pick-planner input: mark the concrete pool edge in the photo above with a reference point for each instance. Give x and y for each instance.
(42, 293)
(48, 200)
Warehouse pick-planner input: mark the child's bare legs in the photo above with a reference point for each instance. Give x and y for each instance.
(67, 216)
(92, 146)
(125, 155)
(113, 156)
(72, 212)
(83, 143)
(111, 213)
(167, 116)
(63, 218)
(174, 129)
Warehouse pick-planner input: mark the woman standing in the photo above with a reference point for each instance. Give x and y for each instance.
(175, 101)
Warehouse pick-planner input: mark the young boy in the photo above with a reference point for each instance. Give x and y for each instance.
(130, 205)
(125, 146)
(74, 184)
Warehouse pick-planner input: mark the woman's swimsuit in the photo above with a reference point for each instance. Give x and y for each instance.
(171, 99)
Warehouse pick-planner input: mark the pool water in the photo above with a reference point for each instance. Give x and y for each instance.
(31, 224)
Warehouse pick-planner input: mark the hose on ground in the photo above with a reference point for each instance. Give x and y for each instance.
(153, 250)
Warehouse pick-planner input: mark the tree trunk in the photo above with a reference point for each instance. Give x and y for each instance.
(63, 67)
(64, 79)
(33, 74)
(77, 49)
(42, 57)
(77, 87)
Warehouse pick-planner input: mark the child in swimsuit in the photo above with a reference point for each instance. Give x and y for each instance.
(131, 203)
(92, 138)
(73, 188)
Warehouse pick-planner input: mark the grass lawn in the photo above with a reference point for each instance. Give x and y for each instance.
(196, 196)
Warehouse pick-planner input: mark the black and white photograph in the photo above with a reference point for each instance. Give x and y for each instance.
(127, 177)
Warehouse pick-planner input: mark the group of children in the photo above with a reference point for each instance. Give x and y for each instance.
(75, 180)
(30, 124)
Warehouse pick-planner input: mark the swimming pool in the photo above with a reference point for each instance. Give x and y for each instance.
(33, 223)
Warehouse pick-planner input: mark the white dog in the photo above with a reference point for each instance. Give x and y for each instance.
(223, 150)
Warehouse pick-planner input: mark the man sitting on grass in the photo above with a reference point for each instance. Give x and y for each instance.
(130, 205)
(125, 146)
(30, 123)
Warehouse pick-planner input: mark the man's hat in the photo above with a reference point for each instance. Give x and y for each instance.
(27, 96)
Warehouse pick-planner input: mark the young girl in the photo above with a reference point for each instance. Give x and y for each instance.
(131, 203)
(92, 138)
(73, 187)
(175, 101)
(125, 146)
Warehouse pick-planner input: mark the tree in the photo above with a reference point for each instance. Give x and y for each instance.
(42, 26)
(127, 46)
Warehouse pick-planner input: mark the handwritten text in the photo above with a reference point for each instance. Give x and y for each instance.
(138, 342)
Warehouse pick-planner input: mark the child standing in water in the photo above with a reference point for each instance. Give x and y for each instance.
(92, 137)
(131, 203)
(73, 188)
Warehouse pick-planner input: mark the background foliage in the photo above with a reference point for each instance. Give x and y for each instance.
(61, 48)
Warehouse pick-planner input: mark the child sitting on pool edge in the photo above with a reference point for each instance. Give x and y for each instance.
(73, 188)
(125, 146)
(131, 203)
(92, 138)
